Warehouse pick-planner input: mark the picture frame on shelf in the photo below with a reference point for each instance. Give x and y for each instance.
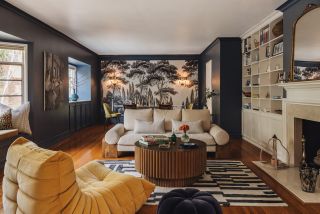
(277, 48)
(268, 51)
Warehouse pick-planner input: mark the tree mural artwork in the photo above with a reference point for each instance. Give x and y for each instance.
(112, 78)
(162, 74)
(149, 83)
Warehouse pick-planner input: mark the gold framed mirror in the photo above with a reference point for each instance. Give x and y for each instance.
(306, 46)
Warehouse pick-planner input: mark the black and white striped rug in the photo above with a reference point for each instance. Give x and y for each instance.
(230, 182)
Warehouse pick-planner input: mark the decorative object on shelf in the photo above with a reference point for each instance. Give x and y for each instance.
(277, 48)
(280, 78)
(209, 95)
(256, 57)
(308, 177)
(74, 97)
(248, 82)
(268, 95)
(276, 143)
(276, 97)
(246, 94)
(268, 69)
(256, 43)
(277, 29)
(249, 71)
(277, 67)
(184, 138)
(268, 51)
(173, 137)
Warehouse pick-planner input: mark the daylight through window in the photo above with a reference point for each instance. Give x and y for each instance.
(13, 87)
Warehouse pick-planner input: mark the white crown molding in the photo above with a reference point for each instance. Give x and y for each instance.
(267, 20)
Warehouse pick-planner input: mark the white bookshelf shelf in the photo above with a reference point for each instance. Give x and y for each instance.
(264, 69)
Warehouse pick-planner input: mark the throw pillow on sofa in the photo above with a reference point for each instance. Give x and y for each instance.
(6, 120)
(195, 127)
(20, 117)
(148, 127)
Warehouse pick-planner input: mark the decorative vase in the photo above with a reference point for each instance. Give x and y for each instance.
(185, 138)
(74, 97)
(173, 137)
(308, 177)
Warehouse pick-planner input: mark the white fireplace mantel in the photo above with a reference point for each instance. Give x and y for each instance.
(307, 92)
(302, 102)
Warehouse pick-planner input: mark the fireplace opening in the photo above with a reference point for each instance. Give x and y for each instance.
(311, 132)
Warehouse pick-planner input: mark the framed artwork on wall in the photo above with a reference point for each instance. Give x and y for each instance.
(55, 67)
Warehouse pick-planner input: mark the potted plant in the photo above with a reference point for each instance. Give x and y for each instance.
(208, 95)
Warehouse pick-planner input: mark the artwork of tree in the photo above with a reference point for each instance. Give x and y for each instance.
(149, 83)
(113, 72)
(162, 74)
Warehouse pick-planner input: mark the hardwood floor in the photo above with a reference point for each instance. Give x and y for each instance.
(85, 145)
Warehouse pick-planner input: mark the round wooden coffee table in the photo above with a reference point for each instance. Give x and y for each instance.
(173, 167)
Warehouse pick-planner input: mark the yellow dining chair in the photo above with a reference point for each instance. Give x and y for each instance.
(109, 114)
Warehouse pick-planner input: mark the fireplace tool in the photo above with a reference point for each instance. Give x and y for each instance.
(274, 161)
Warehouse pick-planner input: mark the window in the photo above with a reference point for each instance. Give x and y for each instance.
(13, 74)
(72, 79)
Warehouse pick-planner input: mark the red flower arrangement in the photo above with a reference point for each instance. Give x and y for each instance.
(184, 128)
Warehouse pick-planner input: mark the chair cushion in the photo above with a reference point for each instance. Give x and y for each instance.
(195, 127)
(188, 201)
(130, 115)
(198, 114)
(122, 193)
(167, 115)
(148, 127)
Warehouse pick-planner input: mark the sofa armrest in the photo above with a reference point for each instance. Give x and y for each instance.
(220, 136)
(113, 135)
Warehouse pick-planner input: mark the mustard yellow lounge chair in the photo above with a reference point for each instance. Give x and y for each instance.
(40, 181)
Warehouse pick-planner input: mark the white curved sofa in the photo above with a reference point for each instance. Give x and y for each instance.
(122, 137)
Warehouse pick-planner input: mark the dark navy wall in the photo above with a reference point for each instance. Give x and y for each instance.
(47, 126)
(292, 10)
(225, 54)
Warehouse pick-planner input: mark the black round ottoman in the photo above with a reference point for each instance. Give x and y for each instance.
(188, 201)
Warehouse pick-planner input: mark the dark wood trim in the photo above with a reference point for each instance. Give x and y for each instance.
(151, 57)
(33, 19)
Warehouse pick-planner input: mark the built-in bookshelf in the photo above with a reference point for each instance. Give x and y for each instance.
(262, 54)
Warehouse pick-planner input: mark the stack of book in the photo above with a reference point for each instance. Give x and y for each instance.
(153, 139)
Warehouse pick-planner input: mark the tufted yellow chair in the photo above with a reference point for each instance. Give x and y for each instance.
(40, 181)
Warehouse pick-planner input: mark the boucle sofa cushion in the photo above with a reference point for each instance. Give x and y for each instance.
(194, 126)
(167, 115)
(221, 136)
(130, 115)
(40, 181)
(149, 127)
(198, 114)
